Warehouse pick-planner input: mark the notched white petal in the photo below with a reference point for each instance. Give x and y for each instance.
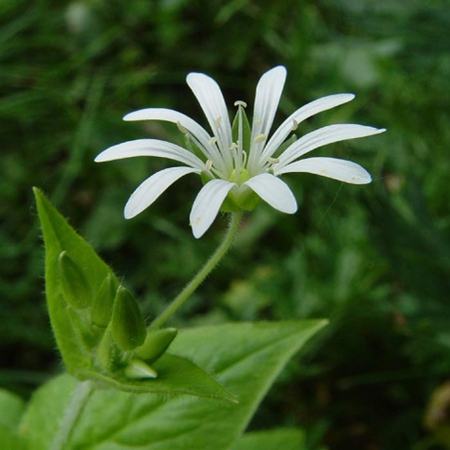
(207, 205)
(149, 190)
(169, 115)
(273, 191)
(324, 136)
(149, 147)
(338, 169)
(211, 100)
(303, 113)
(267, 98)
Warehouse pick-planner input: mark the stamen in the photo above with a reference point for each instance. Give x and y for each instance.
(260, 138)
(244, 162)
(240, 103)
(213, 140)
(208, 165)
(273, 160)
(294, 125)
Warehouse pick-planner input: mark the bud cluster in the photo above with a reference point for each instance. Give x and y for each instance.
(111, 325)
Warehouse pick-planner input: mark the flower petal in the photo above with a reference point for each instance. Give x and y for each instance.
(303, 113)
(211, 100)
(324, 136)
(148, 191)
(273, 191)
(267, 97)
(207, 204)
(150, 147)
(338, 169)
(169, 115)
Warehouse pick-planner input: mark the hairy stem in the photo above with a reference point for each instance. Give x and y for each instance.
(200, 276)
(76, 404)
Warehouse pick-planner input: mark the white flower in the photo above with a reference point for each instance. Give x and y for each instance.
(248, 164)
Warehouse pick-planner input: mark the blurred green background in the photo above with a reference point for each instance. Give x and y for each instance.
(374, 259)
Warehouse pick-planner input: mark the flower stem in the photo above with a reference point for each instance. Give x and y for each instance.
(200, 276)
(76, 404)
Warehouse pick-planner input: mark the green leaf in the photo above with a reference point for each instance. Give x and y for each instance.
(281, 438)
(245, 357)
(11, 409)
(176, 376)
(10, 440)
(59, 236)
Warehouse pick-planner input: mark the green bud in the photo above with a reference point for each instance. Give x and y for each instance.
(108, 355)
(75, 287)
(127, 325)
(156, 343)
(137, 370)
(103, 303)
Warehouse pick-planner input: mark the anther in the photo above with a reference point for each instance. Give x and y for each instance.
(208, 165)
(260, 138)
(294, 125)
(213, 141)
(273, 160)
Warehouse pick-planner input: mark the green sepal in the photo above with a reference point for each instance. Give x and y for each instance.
(246, 129)
(176, 376)
(155, 344)
(127, 324)
(74, 286)
(137, 369)
(108, 355)
(102, 306)
(240, 198)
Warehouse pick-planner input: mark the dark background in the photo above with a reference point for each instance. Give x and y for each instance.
(373, 259)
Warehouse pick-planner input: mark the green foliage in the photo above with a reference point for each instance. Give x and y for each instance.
(11, 409)
(373, 259)
(244, 357)
(282, 438)
(88, 356)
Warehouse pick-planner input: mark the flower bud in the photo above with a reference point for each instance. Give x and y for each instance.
(137, 370)
(103, 303)
(75, 287)
(156, 343)
(127, 325)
